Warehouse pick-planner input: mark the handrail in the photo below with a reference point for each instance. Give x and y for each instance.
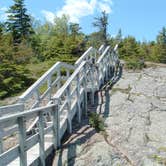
(101, 49)
(9, 109)
(84, 56)
(60, 91)
(24, 113)
(43, 78)
(116, 47)
(104, 53)
(90, 72)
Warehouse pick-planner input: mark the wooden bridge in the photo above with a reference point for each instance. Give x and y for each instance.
(45, 111)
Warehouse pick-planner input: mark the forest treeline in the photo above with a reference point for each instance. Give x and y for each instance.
(24, 40)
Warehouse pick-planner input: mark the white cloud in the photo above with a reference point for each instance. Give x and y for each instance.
(49, 16)
(3, 14)
(105, 7)
(76, 9)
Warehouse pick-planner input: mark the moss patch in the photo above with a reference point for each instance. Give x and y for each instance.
(159, 159)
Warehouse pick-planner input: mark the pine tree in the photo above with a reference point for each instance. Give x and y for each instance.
(118, 37)
(101, 23)
(161, 41)
(74, 28)
(2, 27)
(19, 22)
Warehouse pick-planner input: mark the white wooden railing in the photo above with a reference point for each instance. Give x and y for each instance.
(53, 116)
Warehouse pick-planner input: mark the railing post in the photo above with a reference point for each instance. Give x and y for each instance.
(1, 140)
(68, 73)
(56, 125)
(92, 84)
(38, 98)
(49, 86)
(85, 92)
(78, 99)
(41, 138)
(69, 110)
(102, 71)
(22, 141)
(98, 75)
(59, 75)
(107, 66)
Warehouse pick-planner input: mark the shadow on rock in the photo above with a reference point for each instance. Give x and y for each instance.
(82, 132)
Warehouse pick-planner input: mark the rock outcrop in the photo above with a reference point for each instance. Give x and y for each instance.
(135, 125)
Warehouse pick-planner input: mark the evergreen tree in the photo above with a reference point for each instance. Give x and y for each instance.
(1, 29)
(161, 41)
(161, 38)
(118, 37)
(74, 28)
(61, 28)
(101, 23)
(19, 22)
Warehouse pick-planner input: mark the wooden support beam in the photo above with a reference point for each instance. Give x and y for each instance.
(22, 141)
(69, 120)
(56, 126)
(41, 139)
(78, 99)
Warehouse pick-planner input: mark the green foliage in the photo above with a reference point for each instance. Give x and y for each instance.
(19, 22)
(135, 64)
(64, 39)
(161, 40)
(96, 121)
(101, 23)
(159, 159)
(13, 78)
(130, 49)
(25, 41)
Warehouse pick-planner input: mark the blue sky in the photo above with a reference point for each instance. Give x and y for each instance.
(142, 18)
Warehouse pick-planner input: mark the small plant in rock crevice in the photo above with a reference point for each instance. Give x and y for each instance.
(96, 121)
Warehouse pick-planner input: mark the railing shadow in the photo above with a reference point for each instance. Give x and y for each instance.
(114, 80)
(83, 132)
(105, 91)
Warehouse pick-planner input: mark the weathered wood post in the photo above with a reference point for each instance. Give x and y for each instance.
(92, 96)
(1, 140)
(22, 141)
(41, 139)
(85, 91)
(102, 71)
(68, 73)
(59, 76)
(37, 98)
(49, 87)
(69, 121)
(56, 125)
(78, 98)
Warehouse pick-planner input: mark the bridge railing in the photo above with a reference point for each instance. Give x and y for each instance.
(72, 98)
(6, 131)
(42, 90)
(67, 101)
(25, 143)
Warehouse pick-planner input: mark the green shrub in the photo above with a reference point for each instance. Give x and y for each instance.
(135, 64)
(96, 121)
(13, 79)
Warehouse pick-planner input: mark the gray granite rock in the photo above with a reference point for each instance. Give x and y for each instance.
(135, 125)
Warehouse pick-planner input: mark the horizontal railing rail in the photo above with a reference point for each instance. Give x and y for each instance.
(54, 115)
(48, 81)
(25, 143)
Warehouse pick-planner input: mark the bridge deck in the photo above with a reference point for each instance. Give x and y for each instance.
(52, 111)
